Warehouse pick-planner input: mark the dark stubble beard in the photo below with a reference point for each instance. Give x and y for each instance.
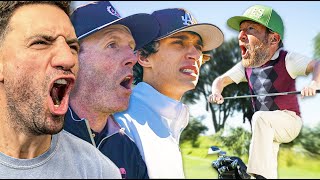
(257, 55)
(26, 110)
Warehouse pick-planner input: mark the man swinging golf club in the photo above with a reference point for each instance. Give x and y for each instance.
(268, 68)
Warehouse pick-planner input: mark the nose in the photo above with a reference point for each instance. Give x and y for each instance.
(130, 59)
(242, 35)
(63, 57)
(194, 54)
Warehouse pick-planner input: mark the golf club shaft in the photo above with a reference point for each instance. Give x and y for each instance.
(271, 94)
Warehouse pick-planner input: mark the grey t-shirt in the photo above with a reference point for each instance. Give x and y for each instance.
(68, 157)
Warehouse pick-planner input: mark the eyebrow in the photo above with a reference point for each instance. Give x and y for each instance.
(71, 41)
(46, 37)
(51, 38)
(112, 30)
(112, 34)
(184, 37)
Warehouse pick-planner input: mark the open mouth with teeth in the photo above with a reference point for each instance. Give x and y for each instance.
(126, 82)
(58, 93)
(189, 71)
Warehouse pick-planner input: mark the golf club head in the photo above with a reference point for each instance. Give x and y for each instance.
(222, 153)
(213, 150)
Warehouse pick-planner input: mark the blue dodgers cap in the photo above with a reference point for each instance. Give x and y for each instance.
(94, 16)
(174, 20)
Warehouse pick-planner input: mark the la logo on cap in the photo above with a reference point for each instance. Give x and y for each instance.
(112, 11)
(256, 13)
(187, 19)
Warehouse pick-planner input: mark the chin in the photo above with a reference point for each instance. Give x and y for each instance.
(55, 125)
(190, 86)
(246, 63)
(56, 130)
(121, 107)
(194, 84)
(51, 130)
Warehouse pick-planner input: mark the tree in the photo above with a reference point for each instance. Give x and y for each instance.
(222, 59)
(192, 131)
(317, 46)
(309, 139)
(238, 141)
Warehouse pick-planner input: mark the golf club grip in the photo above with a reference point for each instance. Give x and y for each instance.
(272, 94)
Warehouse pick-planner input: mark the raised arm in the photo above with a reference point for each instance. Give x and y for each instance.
(217, 87)
(310, 90)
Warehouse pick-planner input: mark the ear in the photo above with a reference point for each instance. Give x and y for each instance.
(206, 57)
(275, 38)
(143, 61)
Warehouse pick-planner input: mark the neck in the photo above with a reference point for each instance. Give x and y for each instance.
(19, 145)
(97, 119)
(174, 93)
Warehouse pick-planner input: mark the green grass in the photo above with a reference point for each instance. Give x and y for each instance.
(294, 163)
(198, 168)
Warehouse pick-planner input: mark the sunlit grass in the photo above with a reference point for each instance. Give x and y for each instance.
(294, 163)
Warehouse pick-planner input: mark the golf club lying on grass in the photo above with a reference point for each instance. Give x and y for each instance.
(271, 94)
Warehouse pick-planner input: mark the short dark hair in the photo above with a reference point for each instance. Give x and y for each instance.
(7, 8)
(145, 52)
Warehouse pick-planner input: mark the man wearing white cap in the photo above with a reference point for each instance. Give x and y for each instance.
(168, 67)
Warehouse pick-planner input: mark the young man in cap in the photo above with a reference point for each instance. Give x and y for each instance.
(38, 68)
(268, 68)
(104, 83)
(170, 65)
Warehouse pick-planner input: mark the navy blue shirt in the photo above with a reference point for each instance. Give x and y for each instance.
(116, 145)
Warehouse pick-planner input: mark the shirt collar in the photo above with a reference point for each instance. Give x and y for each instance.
(172, 112)
(276, 54)
(160, 103)
(112, 126)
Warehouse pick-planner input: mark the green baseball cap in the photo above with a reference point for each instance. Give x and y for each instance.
(260, 14)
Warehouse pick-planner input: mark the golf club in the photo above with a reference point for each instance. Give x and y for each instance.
(271, 94)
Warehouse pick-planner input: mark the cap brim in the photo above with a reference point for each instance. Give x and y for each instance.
(235, 21)
(144, 28)
(212, 37)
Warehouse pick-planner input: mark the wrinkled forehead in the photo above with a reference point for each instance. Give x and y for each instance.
(41, 17)
(118, 27)
(115, 29)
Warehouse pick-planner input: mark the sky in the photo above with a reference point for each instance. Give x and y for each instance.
(301, 20)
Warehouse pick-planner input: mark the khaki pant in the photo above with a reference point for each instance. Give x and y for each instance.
(269, 130)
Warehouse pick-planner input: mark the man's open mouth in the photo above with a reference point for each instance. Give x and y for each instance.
(243, 50)
(189, 70)
(59, 90)
(127, 82)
